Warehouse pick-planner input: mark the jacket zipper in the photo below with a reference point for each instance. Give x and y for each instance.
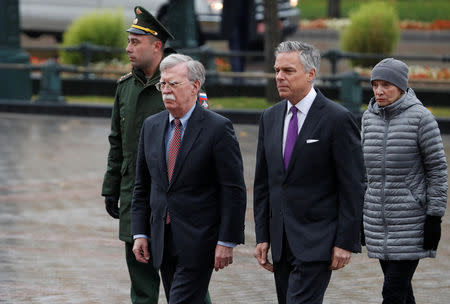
(383, 182)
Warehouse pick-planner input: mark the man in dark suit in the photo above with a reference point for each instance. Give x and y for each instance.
(237, 19)
(189, 196)
(308, 190)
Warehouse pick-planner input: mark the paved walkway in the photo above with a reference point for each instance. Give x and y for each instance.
(57, 244)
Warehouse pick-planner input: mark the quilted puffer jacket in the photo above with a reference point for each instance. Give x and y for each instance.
(406, 177)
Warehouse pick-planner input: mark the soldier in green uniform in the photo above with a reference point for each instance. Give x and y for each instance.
(136, 99)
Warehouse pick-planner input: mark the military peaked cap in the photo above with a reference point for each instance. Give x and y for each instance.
(146, 24)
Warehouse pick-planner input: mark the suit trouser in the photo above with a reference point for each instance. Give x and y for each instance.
(144, 279)
(300, 282)
(397, 286)
(182, 284)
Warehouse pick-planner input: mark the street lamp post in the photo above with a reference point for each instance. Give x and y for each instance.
(15, 84)
(181, 19)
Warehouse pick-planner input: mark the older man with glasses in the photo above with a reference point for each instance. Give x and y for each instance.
(189, 196)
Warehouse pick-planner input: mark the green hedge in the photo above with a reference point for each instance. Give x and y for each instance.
(104, 27)
(373, 29)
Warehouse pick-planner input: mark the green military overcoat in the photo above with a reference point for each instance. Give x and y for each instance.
(136, 99)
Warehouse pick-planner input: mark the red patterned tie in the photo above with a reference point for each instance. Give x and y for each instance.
(174, 146)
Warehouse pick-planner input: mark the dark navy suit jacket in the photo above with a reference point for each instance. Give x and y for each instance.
(318, 200)
(206, 197)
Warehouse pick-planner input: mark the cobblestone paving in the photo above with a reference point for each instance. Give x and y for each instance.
(57, 244)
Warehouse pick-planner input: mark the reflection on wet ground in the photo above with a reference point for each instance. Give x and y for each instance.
(57, 245)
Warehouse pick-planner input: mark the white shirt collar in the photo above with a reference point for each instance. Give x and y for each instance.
(185, 117)
(305, 104)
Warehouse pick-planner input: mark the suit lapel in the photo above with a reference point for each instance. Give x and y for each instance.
(160, 134)
(193, 130)
(310, 124)
(278, 133)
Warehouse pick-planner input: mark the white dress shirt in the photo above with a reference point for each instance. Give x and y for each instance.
(303, 107)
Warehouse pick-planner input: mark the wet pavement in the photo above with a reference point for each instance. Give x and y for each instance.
(57, 244)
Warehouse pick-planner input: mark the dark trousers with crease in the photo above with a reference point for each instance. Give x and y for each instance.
(299, 282)
(182, 284)
(397, 288)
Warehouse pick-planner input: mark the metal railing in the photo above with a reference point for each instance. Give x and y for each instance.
(334, 56)
(207, 56)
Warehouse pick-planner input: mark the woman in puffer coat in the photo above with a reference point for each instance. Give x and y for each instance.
(406, 171)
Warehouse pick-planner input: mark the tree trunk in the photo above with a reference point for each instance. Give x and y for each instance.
(334, 8)
(272, 37)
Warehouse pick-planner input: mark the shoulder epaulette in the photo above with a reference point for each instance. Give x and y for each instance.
(124, 77)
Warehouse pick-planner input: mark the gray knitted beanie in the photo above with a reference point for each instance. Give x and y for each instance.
(393, 71)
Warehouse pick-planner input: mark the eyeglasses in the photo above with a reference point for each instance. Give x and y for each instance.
(162, 84)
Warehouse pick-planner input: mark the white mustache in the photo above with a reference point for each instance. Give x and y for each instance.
(168, 96)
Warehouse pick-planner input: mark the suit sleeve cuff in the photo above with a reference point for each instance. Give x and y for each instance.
(138, 236)
(227, 244)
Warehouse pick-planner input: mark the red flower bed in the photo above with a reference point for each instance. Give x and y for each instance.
(418, 25)
(404, 25)
(417, 72)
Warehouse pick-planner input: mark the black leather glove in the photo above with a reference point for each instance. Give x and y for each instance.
(112, 206)
(431, 232)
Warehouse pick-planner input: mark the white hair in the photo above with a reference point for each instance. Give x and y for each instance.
(196, 70)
